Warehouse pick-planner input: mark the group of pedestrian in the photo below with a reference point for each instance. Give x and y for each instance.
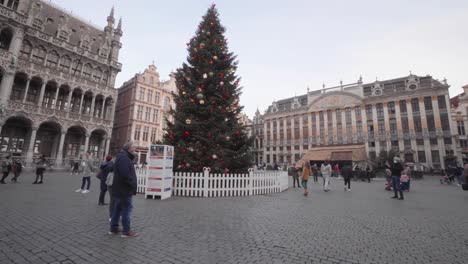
(10, 166)
(116, 177)
(396, 173)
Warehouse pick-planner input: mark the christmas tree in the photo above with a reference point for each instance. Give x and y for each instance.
(204, 127)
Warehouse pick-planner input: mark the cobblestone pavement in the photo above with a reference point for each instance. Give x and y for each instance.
(50, 223)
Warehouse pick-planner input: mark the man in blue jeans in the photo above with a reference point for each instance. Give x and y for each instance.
(123, 188)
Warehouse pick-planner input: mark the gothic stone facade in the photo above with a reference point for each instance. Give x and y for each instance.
(409, 115)
(142, 104)
(57, 91)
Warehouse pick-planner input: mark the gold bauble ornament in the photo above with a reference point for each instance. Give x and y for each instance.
(188, 121)
(202, 102)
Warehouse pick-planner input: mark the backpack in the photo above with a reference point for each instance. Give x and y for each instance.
(404, 178)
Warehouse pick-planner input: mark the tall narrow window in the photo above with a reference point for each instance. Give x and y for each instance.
(137, 132)
(461, 128)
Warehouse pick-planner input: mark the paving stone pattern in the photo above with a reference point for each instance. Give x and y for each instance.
(50, 223)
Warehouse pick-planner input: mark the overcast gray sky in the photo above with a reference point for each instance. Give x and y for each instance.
(285, 46)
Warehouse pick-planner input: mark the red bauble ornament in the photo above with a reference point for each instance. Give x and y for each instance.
(215, 41)
(195, 57)
(184, 151)
(211, 62)
(202, 86)
(227, 96)
(211, 24)
(171, 137)
(221, 75)
(186, 134)
(192, 100)
(237, 133)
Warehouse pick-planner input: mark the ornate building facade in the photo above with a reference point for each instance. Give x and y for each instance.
(57, 93)
(410, 115)
(459, 109)
(142, 104)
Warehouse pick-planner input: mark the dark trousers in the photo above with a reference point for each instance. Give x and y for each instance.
(397, 186)
(315, 177)
(39, 175)
(296, 179)
(347, 181)
(111, 201)
(84, 180)
(102, 194)
(5, 175)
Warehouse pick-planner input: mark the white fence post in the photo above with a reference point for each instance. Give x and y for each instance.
(251, 176)
(206, 175)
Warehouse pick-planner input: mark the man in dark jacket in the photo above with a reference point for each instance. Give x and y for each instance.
(396, 169)
(123, 188)
(347, 173)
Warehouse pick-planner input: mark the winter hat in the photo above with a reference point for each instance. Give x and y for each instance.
(108, 158)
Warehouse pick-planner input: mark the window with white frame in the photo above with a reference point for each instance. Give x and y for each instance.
(461, 128)
(153, 135)
(150, 96)
(140, 112)
(137, 133)
(145, 133)
(155, 116)
(148, 114)
(156, 98)
(142, 94)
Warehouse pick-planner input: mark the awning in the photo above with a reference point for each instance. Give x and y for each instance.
(336, 153)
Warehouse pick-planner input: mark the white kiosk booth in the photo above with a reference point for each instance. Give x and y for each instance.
(159, 177)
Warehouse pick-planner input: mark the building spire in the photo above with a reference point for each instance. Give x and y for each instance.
(119, 26)
(110, 18)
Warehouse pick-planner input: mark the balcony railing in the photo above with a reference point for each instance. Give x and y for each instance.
(31, 108)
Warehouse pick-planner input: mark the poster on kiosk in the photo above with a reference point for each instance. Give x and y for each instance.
(159, 177)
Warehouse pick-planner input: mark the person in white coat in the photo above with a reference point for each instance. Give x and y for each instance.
(326, 171)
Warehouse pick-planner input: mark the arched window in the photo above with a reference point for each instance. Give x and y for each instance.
(26, 50)
(97, 74)
(87, 70)
(76, 67)
(65, 63)
(52, 59)
(5, 38)
(39, 54)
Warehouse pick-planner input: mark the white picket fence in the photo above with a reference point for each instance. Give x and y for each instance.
(206, 184)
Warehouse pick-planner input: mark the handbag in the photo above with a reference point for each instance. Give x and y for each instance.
(404, 178)
(110, 178)
(99, 174)
(465, 186)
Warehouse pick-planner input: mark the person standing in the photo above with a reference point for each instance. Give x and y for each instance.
(305, 177)
(347, 173)
(16, 169)
(106, 167)
(295, 175)
(397, 169)
(6, 168)
(336, 170)
(40, 168)
(86, 169)
(123, 188)
(326, 171)
(315, 172)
